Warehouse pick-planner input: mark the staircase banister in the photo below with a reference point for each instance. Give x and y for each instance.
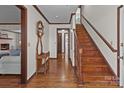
(79, 51)
(95, 30)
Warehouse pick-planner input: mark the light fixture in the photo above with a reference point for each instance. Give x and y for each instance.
(56, 16)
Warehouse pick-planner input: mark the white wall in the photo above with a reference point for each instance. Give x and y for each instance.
(33, 17)
(78, 16)
(53, 38)
(73, 22)
(104, 19)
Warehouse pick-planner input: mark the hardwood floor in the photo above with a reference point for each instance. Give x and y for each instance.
(60, 75)
(9, 81)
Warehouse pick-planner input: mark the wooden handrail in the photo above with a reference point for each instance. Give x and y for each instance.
(105, 41)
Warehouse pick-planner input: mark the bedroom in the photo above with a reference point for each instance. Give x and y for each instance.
(10, 41)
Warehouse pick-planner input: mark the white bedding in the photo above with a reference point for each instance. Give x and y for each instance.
(10, 65)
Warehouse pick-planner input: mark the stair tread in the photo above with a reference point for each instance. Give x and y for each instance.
(95, 71)
(94, 63)
(93, 57)
(98, 74)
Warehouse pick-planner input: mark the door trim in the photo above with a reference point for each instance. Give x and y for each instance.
(23, 43)
(118, 40)
(68, 44)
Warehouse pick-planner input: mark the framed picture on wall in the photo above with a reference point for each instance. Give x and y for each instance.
(3, 35)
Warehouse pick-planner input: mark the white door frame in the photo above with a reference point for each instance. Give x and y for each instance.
(121, 46)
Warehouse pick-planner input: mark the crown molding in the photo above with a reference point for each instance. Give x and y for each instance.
(10, 23)
(39, 11)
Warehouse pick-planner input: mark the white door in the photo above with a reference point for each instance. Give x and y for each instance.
(122, 46)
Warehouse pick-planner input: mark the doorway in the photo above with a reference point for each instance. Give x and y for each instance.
(17, 39)
(59, 43)
(63, 42)
(23, 43)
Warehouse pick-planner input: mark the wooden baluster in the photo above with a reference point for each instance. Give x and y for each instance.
(80, 66)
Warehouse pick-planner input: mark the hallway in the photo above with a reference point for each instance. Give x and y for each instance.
(91, 43)
(60, 75)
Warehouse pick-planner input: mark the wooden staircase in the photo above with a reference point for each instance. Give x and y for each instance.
(91, 67)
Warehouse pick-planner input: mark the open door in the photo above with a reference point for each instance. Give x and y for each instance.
(59, 43)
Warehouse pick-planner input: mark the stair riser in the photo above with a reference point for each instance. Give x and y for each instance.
(88, 44)
(81, 32)
(92, 59)
(84, 37)
(89, 49)
(92, 53)
(92, 63)
(98, 60)
(84, 42)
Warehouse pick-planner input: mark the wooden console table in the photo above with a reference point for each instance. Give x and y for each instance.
(42, 63)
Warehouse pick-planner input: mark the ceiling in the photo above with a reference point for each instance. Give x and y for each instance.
(53, 13)
(9, 14)
(57, 13)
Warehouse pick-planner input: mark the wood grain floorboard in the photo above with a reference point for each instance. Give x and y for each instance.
(59, 75)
